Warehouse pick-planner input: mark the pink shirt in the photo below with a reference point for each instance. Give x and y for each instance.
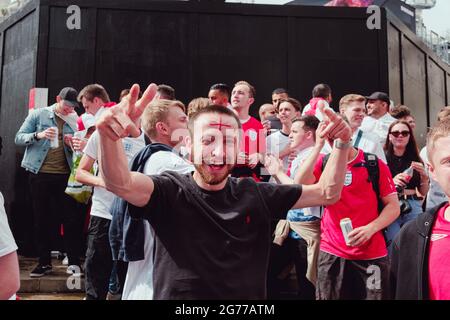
(359, 203)
(439, 258)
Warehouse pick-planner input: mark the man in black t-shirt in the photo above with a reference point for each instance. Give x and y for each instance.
(212, 232)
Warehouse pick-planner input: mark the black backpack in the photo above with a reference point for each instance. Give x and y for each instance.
(371, 164)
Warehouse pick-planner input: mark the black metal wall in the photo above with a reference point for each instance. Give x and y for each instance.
(193, 45)
(417, 77)
(19, 39)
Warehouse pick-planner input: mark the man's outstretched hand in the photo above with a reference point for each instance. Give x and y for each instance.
(336, 127)
(122, 120)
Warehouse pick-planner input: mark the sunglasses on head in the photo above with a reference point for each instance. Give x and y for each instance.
(398, 133)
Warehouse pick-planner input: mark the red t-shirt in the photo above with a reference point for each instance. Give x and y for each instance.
(359, 203)
(439, 258)
(253, 141)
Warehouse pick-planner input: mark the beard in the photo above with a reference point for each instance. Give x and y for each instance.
(211, 178)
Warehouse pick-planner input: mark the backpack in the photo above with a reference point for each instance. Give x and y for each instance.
(127, 234)
(371, 164)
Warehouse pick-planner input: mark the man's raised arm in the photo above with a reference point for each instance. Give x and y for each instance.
(114, 124)
(328, 189)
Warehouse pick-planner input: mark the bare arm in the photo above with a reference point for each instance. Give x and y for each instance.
(285, 152)
(424, 179)
(275, 168)
(118, 122)
(328, 189)
(84, 175)
(390, 212)
(305, 172)
(9, 275)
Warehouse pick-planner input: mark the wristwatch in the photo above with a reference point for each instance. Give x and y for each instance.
(343, 145)
(35, 136)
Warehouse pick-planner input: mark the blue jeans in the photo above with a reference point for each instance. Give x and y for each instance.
(114, 286)
(395, 226)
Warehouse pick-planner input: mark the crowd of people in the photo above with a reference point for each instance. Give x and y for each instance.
(208, 202)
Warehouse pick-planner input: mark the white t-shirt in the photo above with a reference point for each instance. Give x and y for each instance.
(139, 280)
(435, 194)
(277, 142)
(102, 198)
(318, 114)
(380, 126)
(7, 243)
(296, 163)
(369, 143)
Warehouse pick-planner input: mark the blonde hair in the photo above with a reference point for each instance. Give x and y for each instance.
(197, 104)
(349, 98)
(440, 130)
(157, 111)
(444, 113)
(251, 89)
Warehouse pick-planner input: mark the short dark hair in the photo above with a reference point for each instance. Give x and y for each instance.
(321, 90)
(166, 92)
(400, 111)
(92, 91)
(280, 91)
(295, 103)
(310, 122)
(211, 109)
(223, 88)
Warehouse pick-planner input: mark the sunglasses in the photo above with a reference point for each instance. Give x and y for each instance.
(398, 133)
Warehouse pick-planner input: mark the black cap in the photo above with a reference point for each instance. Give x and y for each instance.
(379, 96)
(69, 95)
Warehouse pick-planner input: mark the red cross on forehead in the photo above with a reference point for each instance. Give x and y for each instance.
(220, 124)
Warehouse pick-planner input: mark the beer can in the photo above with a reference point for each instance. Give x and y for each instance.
(54, 143)
(346, 227)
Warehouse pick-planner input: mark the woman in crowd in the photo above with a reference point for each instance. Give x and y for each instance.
(408, 172)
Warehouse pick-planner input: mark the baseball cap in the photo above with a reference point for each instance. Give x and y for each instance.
(379, 96)
(69, 95)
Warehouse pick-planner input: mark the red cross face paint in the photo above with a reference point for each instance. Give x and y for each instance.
(215, 146)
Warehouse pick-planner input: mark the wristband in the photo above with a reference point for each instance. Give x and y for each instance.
(343, 145)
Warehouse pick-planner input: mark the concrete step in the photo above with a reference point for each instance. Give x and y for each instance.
(54, 296)
(57, 282)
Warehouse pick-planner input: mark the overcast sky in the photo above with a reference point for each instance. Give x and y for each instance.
(436, 19)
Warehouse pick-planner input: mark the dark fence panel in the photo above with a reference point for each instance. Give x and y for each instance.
(71, 53)
(196, 45)
(436, 84)
(232, 48)
(340, 52)
(142, 47)
(395, 64)
(19, 60)
(422, 76)
(414, 85)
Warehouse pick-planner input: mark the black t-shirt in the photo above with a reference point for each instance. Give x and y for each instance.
(399, 164)
(213, 244)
